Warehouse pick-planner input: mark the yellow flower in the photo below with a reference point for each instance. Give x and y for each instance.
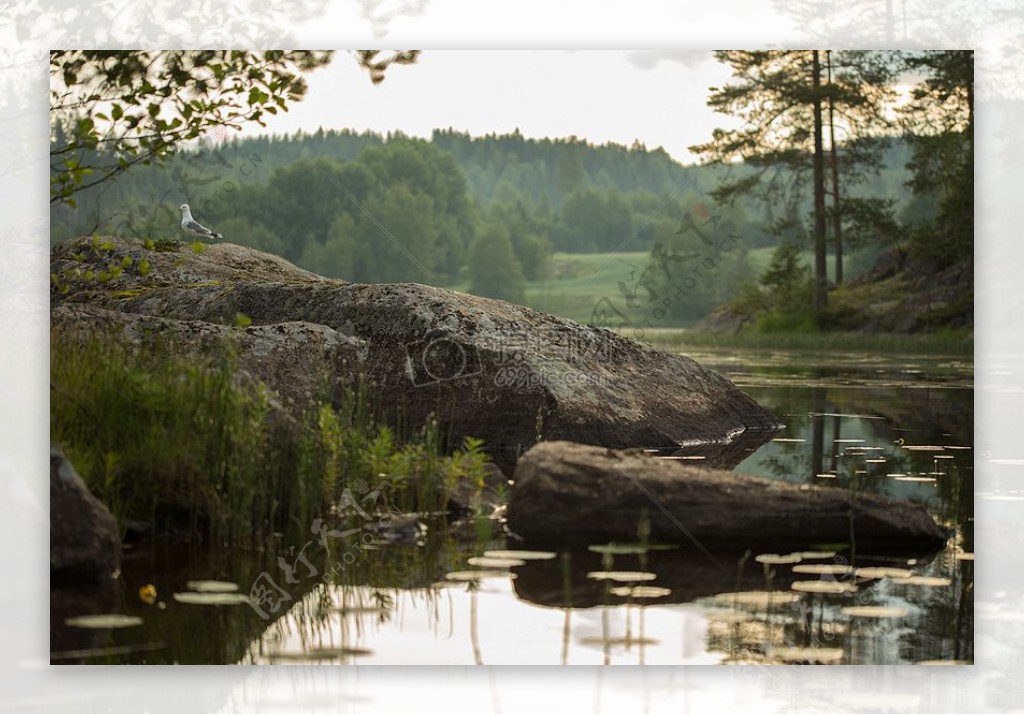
(147, 594)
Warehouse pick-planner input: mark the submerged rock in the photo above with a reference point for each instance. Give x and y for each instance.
(569, 494)
(85, 542)
(485, 368)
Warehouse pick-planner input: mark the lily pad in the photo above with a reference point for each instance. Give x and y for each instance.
(477, 575)
(925, 581)
(448, 584)
(620, 641)
(823, 587)
(622, 576)
(882, 572)
(808, 655)
(757, 599)
(210, 586)
(321, 654)
(493, 562)
(823, 569)
(817, 554)
(778, 558)
(875, 611)
(197, 598)
(641, 591)
(522, 555)
(103, 620)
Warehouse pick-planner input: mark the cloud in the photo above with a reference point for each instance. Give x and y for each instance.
(649, 59)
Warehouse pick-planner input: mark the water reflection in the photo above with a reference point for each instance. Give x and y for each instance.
(467, 595)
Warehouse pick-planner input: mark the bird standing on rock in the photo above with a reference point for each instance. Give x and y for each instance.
(190, 225)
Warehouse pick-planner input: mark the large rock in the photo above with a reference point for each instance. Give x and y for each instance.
(568, 494)
(294, 359)
(85, 542)
(485, 368)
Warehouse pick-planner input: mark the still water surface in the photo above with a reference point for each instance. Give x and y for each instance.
(895, 425)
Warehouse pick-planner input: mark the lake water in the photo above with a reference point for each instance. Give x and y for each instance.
(895, 425)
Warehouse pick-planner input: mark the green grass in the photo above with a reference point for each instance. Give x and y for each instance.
(950, 342)
(577, 282)
(186, 445)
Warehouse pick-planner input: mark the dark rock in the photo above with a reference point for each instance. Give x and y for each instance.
(398, 528)
(572, 494)
(294, 359)
(469, 498)
(484, 368)
(85, 542)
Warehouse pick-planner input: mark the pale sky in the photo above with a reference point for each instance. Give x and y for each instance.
(658, 97)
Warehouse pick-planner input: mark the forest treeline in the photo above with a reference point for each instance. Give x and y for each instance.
(481, 212)
(837, 156)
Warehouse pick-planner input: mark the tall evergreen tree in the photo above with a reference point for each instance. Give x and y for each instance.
(779, 95)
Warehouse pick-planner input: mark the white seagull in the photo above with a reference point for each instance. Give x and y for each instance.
(190, 225)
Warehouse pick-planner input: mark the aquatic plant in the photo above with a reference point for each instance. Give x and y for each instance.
(199, 450)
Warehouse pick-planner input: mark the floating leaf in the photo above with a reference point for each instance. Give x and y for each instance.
(778, 558)
(620, 641)
(211, 586)
(640, 591)
(875, 611)
(925, 581)
(757, 599)
(493, 562)
(808, 655)
(103, 620)
(622, 575)
(817, 554)
(823, 569)
(448, 584)
(823, 587)
(882, 572)
(477, 575)
(321, 654)
(211, 599)
(524, 555)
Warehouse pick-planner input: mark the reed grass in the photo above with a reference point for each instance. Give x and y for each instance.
(193, 444)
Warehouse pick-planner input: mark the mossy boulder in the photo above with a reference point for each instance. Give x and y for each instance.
(486, 368)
